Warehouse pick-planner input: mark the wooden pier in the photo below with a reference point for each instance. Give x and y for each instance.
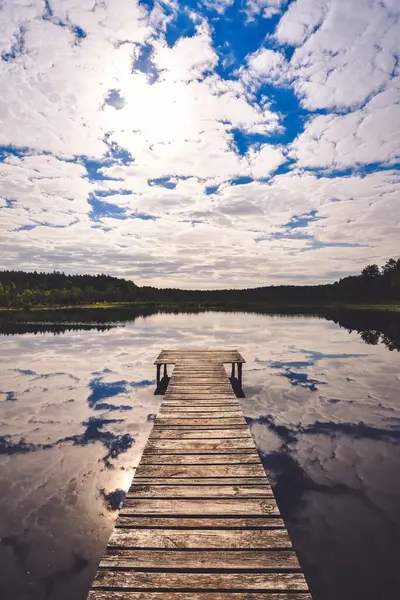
(200, 521)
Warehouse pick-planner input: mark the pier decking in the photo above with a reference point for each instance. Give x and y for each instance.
(200, 521)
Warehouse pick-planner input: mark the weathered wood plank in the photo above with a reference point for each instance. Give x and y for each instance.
(196, 382)
(200, 538)
(202, 412)
(201, 434)
(185, 371)
(200, 395)
(199, 459)
(199, 491)
(195, 445)
(197, 401)
(200, 522)
(203, 421)
(199, 471)
(198, 406)
(197, 357)
(124, 595)
(200, 581)
(200, 428)
(200, 559)
(191, 406)
(242, 506)
(200, 387)
(201, 481)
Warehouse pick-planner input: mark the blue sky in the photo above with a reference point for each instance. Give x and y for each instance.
(200, 144)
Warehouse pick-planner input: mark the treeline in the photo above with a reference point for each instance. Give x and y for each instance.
(22, 289)
(19, 289)
(374, 284)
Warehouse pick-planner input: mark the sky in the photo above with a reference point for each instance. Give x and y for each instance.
(225, 143)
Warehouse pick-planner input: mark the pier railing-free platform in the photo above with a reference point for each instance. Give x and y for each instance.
(200, 521)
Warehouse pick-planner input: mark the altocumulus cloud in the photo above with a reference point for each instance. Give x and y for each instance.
(150, 140)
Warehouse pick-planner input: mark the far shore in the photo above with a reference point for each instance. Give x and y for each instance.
(99, 309)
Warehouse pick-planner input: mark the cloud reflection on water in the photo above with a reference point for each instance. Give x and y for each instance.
(85, 402)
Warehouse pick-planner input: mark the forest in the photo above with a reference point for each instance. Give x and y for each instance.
(29, 290)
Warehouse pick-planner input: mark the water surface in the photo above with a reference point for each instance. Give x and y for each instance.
(322, 402)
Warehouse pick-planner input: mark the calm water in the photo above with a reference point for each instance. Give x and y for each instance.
(323, 405)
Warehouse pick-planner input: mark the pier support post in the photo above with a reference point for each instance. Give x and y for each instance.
(165, 370)
(240, 368)
(158, 374)
(233, 371)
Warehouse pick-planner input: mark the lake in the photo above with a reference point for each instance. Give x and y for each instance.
(322, 398)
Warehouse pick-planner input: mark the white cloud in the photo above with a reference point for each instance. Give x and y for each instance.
(263, 8)
(264, 65)
(265, 161)
(368, 135)
(299, 21)
(219, 6)
(189, 58)
(346, 52)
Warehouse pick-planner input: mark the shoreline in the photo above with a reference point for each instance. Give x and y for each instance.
(107, 309)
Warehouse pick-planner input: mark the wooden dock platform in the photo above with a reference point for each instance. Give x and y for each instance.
(200, 521)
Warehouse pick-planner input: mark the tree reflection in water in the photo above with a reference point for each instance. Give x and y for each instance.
(374, 327)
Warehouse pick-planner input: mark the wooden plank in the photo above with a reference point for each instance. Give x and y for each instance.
(205, 389)
(123, 595)
(201, 481)
(199, 395)
(195, 445)
(200, 434)
(176, 408)
(200, 538)
(192, 406)
(185, 371)
(242, 506)
(198, 406)
(161, 427)
(209, 355)
(191, 387)
(199, 491)
(200, 559)
(199, 459)
(196, 383)
(203, 421)
(200, 581)
(199, 471)
(199, 400)
(202, 414)
(199, 522)
(196, 397)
